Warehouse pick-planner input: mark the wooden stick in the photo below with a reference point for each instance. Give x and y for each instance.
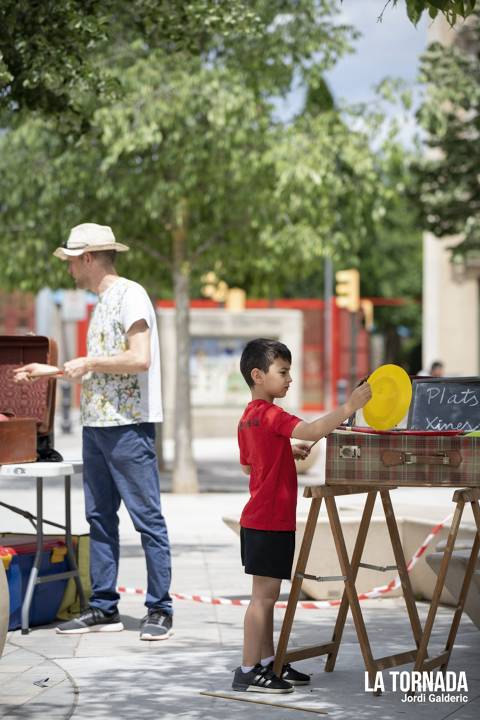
(223, 696)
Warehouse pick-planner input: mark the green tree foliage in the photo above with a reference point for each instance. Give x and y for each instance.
(452, 10)
(450, 116)
(50, 49)
(46, 52)
(186, 162)
(170, 132)
(185, 134)
(177, 161)
(343, 199)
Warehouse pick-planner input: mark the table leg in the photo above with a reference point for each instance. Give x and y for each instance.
(401, 566)
(356, 558)
(350, 588)
(308, 534)
(442, 573)
(68, 539)
(32, 580)
(471, 565)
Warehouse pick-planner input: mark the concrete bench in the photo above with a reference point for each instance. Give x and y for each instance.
(456, 573)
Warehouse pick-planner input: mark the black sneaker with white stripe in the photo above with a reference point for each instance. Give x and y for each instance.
(157, 625)
(261, 680)
(91, 620)
(294, 677)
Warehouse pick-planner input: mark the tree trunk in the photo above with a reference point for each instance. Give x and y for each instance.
(184, 471)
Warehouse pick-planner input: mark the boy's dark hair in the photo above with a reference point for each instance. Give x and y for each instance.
(261, 353)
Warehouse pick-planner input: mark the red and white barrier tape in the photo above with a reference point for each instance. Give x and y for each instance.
(308, 604)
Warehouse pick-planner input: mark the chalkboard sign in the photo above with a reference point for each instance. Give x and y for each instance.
(440, 404)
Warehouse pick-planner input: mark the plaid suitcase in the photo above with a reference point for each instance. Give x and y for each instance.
(403, 458)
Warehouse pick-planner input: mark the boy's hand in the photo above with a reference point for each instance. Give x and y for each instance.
(300, 452)
(359, 397)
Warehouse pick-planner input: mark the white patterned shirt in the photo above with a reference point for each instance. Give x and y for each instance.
(110, 399)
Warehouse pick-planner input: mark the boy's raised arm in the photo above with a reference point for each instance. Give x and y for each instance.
(324, 425)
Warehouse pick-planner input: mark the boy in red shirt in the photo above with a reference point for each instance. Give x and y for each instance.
(267, 532)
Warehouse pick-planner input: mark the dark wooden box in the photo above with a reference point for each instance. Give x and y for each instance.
(31, 407)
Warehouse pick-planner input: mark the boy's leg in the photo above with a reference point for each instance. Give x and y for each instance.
(258, 634)
(258, 623)
(268, 649)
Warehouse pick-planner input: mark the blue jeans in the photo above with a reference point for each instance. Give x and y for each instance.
(120, 463)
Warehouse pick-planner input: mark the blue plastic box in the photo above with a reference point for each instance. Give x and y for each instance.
(18, 553)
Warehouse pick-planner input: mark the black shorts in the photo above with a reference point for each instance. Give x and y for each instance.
(268, 553)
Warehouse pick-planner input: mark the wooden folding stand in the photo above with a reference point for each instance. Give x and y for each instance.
(349, 569)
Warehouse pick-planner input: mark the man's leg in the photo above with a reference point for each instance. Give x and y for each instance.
(101, 505)
(102, 502)
(133, 466)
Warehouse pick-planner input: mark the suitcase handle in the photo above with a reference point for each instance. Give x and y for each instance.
(390, 458)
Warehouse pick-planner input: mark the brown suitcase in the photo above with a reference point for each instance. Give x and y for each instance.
(403, 458)
(30, 407)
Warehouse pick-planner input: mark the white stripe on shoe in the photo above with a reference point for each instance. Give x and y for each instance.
(108, 627)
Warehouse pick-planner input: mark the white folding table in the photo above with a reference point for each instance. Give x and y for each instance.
(40, 471)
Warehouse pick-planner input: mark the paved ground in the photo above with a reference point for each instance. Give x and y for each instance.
(115, 675)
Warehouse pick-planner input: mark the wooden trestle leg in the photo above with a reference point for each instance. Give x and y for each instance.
(356, 557)
(308, 534)
(350, 590)
(404, 579)
(441, 661)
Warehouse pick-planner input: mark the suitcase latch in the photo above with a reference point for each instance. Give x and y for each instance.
(349, 452)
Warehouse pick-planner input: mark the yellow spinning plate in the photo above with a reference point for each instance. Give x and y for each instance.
(391, 396)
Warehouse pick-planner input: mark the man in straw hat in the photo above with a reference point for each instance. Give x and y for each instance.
(120, 402)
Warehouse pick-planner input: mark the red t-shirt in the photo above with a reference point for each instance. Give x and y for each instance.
(264, 433)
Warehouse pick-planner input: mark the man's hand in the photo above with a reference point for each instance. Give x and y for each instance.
(34, 371)
(359, 397)
(76, 368)
(300, 452)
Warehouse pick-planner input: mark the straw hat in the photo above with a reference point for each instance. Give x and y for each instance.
(89, 237)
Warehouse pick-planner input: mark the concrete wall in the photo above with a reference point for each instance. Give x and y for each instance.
(450, 293)
(450, 310)
(220, 420)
